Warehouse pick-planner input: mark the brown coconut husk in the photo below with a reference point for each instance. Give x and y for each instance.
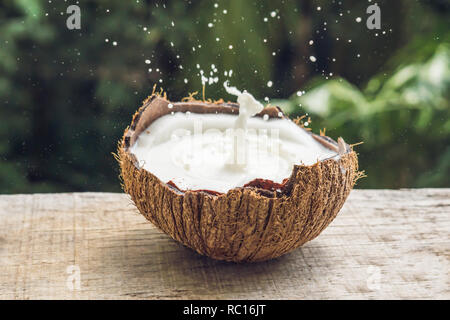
(259, 221)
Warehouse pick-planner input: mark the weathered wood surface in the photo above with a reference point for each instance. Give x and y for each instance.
(383, 244)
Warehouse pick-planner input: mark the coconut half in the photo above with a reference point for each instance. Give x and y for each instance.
(258, 220)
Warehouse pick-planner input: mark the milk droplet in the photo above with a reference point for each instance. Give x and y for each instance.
(306, 124)
(147, 61)
(225, 11)
(230, 47)
(114, 43)
(319, 8)
(273, 14)
(312, 58)
(280, 114)
(265, 117)
(170, 106)
(106, 40)
(210, 25)
(185, 80)
(265, 19)
(358, 19)
(269, 84)
(311, 42)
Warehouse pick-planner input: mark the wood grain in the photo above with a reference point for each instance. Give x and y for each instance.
(383, 244)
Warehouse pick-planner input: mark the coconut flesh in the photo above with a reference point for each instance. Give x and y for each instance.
(219, 152)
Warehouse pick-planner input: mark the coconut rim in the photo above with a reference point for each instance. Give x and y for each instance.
(156, 106)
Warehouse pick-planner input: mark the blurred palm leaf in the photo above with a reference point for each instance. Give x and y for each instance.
(405, 124)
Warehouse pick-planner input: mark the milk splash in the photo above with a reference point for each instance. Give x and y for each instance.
(248, 107)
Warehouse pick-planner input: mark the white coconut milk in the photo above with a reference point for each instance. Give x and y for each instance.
(219, 152)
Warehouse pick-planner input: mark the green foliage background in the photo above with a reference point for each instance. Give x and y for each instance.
(67, 95)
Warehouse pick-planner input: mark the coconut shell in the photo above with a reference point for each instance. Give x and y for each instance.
(259, 221)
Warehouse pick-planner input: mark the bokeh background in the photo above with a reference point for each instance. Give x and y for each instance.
(67, 95)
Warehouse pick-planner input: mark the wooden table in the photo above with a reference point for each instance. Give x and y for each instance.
(383, 244)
